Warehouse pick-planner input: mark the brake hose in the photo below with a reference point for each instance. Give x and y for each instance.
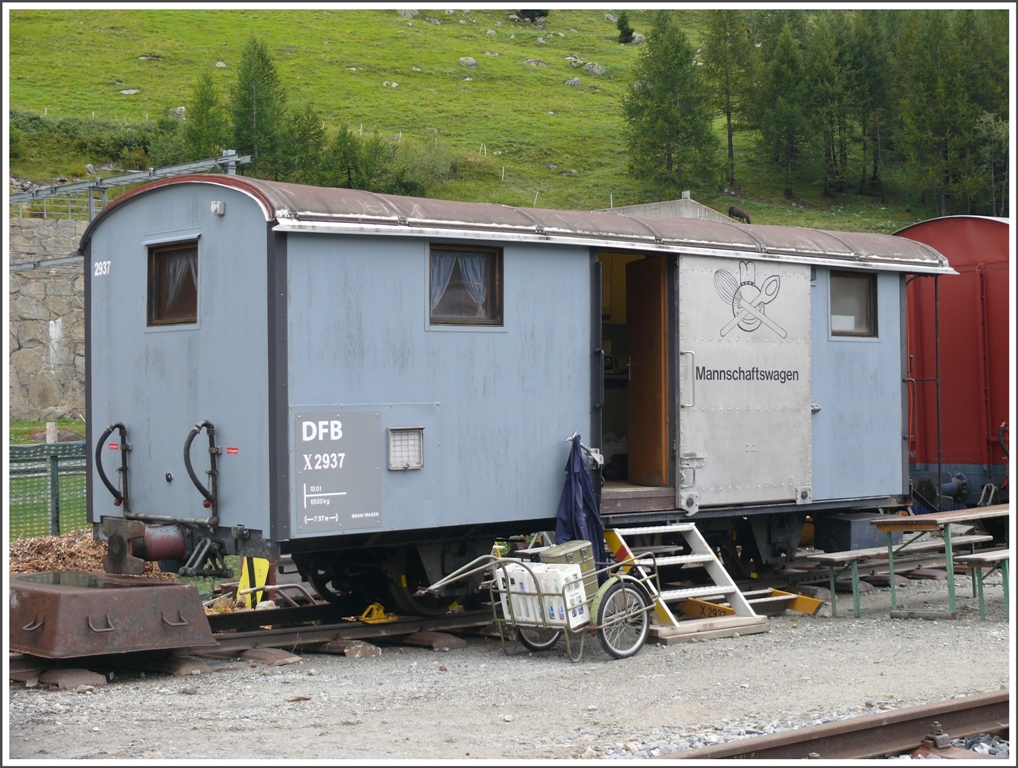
(118, 497)
(206, 492)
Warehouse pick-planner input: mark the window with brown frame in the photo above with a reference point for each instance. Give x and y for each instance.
(173, 284)
(465, 286)
(853, 304)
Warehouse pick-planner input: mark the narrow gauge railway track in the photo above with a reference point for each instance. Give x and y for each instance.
(238, 632)
(290, 627)
(890, 733)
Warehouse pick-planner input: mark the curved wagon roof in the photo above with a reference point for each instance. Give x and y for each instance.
(300, 208)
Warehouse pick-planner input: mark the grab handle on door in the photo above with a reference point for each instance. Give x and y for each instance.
(692, 378)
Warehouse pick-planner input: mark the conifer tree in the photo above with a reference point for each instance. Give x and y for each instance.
(345, 167)
(870, 87)
(937, 113)
(825, 92)
(726, 62)
(784, 123)
(625, 30)
(305, 147)
(258, 109)
(669, 129)
(206, 129)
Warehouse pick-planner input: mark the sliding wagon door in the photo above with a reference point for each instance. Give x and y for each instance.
(743, 382)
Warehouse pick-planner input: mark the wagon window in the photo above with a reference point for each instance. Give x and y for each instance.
(465, 286)
(853, 304)
(173, 284)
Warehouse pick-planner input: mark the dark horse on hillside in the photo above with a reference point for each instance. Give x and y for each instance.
(736, 212)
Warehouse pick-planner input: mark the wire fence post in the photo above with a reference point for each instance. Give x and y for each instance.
(54, 494)
(47, 491)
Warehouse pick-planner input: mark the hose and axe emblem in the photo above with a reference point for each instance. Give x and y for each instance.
(748, 300)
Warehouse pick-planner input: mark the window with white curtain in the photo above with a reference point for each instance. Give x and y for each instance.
(465, 286)
(173, 284)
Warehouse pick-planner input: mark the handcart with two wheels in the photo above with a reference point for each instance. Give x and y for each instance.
(536, 605)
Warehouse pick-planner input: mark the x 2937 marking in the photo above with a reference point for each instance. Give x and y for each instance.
(324, 460)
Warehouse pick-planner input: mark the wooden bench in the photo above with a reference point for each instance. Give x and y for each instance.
(996, 559)
(851, 559)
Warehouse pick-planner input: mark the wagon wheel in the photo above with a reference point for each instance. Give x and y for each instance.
(406, 575)
(321, 578)
(741, 555)
(537, 638)
(624, 619)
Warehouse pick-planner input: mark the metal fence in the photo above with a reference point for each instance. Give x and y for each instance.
(47, 490)
(79, 199)
(72, 207)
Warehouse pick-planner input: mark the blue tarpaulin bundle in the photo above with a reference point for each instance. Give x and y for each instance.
(578, 518)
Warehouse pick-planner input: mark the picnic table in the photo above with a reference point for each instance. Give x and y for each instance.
(937, 521)
(838, 562)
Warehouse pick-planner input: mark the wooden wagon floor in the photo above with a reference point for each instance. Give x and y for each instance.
(613, 488)
(618, 497)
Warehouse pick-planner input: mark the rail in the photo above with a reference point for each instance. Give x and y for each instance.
(291, 637)
(858, 738)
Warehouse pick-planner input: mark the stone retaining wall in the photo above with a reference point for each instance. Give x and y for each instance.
(47, 322)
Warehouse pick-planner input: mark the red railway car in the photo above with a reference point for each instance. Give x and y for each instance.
(975, 329)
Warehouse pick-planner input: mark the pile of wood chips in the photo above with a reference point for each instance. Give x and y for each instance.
(74, 551)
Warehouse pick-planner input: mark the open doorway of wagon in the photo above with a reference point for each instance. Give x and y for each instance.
(634, 307)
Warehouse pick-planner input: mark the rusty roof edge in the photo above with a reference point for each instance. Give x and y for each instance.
(443, 229)
(656, 235)
(268, 203)
(277, 201)
(935, 255)
(538, 227)
(855, 251)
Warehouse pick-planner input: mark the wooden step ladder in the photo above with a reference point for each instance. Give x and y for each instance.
(701, 556)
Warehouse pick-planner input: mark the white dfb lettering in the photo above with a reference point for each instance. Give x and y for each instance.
(309, 430)
(321, 429)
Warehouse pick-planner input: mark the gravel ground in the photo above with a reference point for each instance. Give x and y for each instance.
(478, 703)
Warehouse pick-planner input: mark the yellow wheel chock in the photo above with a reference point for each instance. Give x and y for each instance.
(375, 614)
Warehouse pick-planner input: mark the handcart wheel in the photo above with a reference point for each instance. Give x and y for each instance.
(537, 638)
(624, 619)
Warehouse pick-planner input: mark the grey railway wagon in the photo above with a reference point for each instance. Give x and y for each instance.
(387, 383)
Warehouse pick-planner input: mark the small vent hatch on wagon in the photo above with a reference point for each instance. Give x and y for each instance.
(406, 448)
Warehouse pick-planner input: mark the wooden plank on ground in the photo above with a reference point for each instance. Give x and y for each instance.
(214, 654)
(706, 629)
(352, 649)
(933, 574)
(438, 641)
(884, 580)
(274, 657)
(71, 678)
(174, 665)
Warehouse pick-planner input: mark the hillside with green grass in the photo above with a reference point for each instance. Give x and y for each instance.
(517, 133)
